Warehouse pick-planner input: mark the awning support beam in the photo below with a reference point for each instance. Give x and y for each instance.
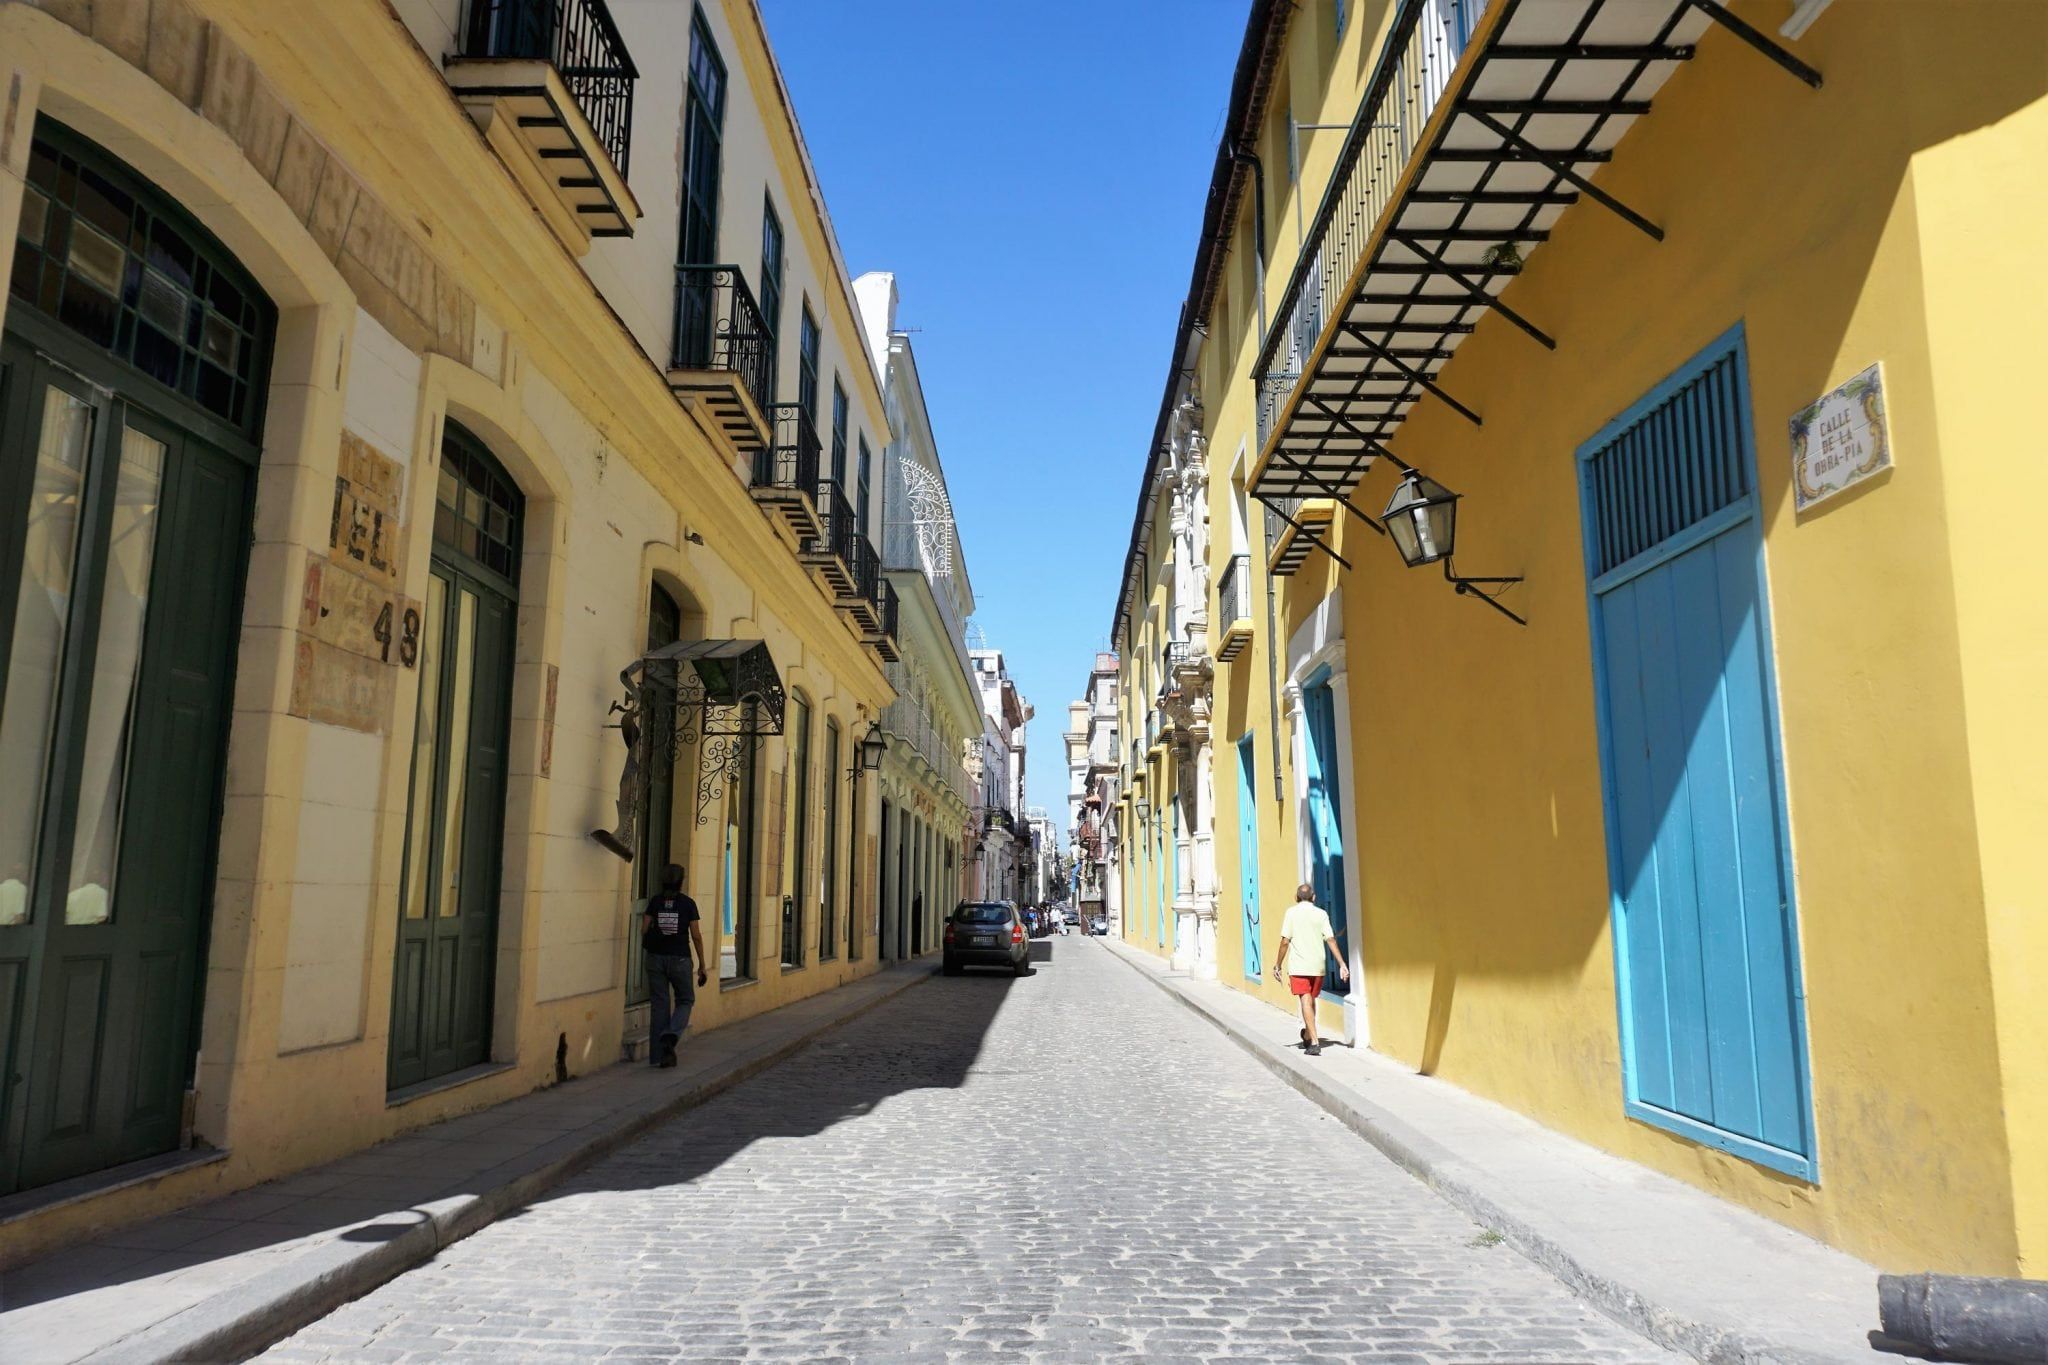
(1560, 165)
(1336, 418)
(1329, 488)
(1553, 106)
(1718, 12)
(1358, 334)
(1306, 534)
(1479, 295)
(1590, 52)
(1509, 198)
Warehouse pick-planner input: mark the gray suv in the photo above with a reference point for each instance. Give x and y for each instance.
(986, 934)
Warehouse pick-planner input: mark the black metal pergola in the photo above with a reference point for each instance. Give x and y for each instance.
(1437, 198)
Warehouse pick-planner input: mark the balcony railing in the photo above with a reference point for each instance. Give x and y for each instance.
(863, 569)
(579, 39)
(786, 471)
(1407, 81)
(887, 609)
(718, 329)
(1234, 590)
(830, 551)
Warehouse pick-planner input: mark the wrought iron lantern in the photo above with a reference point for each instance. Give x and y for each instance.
(720, 695)
(1422, 521)
(871, 748)
(1144, 811)
(1422, 518)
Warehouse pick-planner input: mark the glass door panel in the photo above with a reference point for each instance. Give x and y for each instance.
(28, 708)
(453, 801)
(117, 672)
(419, 875)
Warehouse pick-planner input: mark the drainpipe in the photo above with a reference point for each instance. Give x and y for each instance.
(1244, 158)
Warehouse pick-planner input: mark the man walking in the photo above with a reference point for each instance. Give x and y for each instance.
(1305, 939)
(669, 989)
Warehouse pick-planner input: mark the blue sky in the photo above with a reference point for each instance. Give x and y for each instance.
(1033, 171)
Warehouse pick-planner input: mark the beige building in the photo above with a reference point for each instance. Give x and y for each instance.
(378, 388)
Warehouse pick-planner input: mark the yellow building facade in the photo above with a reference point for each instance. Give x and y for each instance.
(375, 398)
(1715, 854)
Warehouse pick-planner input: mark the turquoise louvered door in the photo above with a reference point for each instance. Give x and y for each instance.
(1323, 810)
(1248, 859)
(1706, 954)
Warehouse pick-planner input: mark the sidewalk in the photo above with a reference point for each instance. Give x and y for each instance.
(223, 1279)
(1683, 1268)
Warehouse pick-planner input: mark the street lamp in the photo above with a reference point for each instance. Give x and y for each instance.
(868, 751)
(1422, 521)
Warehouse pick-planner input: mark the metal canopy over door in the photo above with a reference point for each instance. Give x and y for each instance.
(1705, 951)
(134, 353)
(455, 814)
(1324, 812)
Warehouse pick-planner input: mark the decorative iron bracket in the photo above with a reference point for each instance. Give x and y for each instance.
(719, 696)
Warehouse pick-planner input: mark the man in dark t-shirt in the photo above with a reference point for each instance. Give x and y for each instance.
(669, 931)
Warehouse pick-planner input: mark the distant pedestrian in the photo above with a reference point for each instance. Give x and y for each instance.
(1307, 944)
(669, 932)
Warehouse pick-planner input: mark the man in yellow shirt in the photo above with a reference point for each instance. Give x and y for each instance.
(1305, 938)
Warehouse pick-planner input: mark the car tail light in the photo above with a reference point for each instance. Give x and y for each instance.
(949, 931)
(1016, 933)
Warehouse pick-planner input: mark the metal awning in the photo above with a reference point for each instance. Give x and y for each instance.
(1545, 92)
(722, 696)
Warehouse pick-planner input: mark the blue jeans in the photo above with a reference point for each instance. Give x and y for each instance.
(669, 973)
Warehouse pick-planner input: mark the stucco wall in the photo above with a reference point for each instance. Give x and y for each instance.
(1870, 221)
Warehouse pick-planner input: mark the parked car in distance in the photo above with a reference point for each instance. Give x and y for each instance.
(1100, 926)
(1072, 916)
(986, 934)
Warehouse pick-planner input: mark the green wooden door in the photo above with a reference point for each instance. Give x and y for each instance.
(455, 817)
(113, 711)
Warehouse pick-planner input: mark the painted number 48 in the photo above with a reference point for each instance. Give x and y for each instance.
(408, 636)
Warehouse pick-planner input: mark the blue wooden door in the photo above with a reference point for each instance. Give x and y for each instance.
(1173, 874)
(1706, 955)
(1159, 880)
(1324, 813)
(1248, 861)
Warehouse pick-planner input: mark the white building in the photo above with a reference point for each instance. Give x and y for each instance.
(928, 797)
(1092, 768)
(1005, 841)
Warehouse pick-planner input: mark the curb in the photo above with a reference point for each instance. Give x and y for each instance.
(239, 1323)
(1429, 1162)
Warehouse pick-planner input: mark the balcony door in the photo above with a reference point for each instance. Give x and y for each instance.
(455, 816)
(697, 244)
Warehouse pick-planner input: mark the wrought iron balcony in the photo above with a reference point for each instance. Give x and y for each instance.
(551, 80)
(1414, 65)
(1233, 607)
(1482, 126)
(830, 551)
(1295, 526)
(864, 572)
(882, 635)
(721, 354)
(786, 473)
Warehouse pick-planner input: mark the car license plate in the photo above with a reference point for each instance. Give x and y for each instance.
(985, 940)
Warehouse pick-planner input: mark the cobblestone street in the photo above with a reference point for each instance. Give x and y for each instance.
(1065, 1167)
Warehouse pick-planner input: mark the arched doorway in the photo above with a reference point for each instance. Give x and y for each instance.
(455, 808)
(132, 375)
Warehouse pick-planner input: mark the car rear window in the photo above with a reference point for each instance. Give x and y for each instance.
(982, 914)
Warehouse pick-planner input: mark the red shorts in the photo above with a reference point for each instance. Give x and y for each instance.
(1306, 985)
